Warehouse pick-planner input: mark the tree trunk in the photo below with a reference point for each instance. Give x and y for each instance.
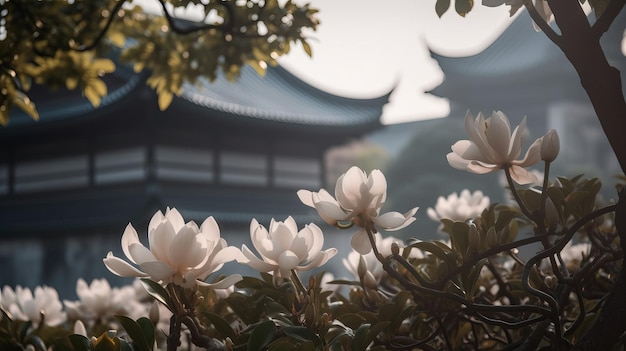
(602, 82)
(581, 44)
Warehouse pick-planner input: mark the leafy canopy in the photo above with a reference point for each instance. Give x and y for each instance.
(68, 43)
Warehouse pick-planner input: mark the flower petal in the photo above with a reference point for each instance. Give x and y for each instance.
(157, 270)
(129, 237)
(140, 254)
(286, 262)
(224, 283)
(376, 183)
(183, 252)
(499, 136)
(251, 260)
(121, 268)
(390, 220)
(210, 229)
(360, 242)
(522, 176)
(173, 216)
(532, 156)
(306, 197)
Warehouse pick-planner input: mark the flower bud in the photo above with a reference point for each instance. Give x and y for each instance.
(473, 240)
(154, 314)
(550, 281)
(492, 237)
(395, 248)
(552, 215)
(362, 267)
(550, 146)
(369, 281)
(79, 328)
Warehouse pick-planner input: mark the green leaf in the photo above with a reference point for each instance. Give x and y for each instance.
(36, 341)
(358, 342)
(22, 330)
(135, 332)
(165, 99)
(599, 6)
(282, 345)
(463, 7)
(351, 320)
(442, 7)
(307, 48)
(374, 330)
(79, 342)
(221, 325)
(158, 292)
(26, 104)
(261, 336)
(105, 343)
(302, 334)
(148, 329)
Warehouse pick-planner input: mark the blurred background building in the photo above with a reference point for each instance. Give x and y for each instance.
(72, 181)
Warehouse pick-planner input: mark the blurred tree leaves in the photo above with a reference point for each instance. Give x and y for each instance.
(68, 44)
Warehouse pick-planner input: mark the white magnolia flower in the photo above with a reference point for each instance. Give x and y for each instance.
(358, 200)
(23, 305)
(492, 147)
(283, 248)
(541, 6)
(179, 253)
(100, 301)
(459, 208)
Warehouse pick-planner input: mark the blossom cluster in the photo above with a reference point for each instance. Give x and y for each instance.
(407, 284)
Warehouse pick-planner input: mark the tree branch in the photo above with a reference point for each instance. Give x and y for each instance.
(608, 16)
(541, 23)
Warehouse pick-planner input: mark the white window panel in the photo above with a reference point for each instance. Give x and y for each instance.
(293, 172)
(243, 168)
(52, 174)
(184, 164)
(120, 166)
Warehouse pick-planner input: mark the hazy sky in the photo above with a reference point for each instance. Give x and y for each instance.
(364, 48)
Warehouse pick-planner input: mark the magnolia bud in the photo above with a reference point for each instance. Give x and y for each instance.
(154, 314)
(550, 281)
(473, 240)
(395, 248)
(361, 269)
(550, 146)
(492, 237)
(369, 281)
(552, 215)
(79, 328)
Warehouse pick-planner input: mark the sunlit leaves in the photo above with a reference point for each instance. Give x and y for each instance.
(463, 7)
(442, 7)
(60, 45)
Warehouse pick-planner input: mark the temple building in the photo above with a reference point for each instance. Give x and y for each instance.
(72, 181)
(523, 73)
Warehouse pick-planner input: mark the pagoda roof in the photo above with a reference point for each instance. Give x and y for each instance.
(277, 97)
(518, 49)
(517, 60)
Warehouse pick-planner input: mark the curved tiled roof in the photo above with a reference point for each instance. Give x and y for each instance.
(281, 97)
(519, 49)
(522, 50)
